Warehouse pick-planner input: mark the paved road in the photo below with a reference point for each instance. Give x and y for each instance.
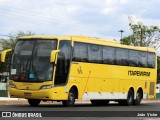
(86, 111)
(82, 107)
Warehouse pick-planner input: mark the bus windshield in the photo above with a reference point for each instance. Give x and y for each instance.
(31, 60)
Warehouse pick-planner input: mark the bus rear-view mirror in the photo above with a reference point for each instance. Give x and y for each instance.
(53, 55)
(4, 53)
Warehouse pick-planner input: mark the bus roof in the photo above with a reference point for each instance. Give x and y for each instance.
(93, 40)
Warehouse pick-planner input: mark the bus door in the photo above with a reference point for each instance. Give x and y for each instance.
(63, 63)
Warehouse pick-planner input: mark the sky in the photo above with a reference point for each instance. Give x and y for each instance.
(96, 18)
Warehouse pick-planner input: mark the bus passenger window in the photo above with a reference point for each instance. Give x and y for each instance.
(109, 55)
(80, 52)
(151, 60)
(122, 56)
(142, 59)
(94, 53)
(133, 58)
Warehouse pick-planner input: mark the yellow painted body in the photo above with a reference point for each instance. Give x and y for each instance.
(92, 78)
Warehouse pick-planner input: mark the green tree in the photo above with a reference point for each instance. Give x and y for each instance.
(8, 43)
(146, 36)
(129, 40)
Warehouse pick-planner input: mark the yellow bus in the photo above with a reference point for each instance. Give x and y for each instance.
(66, 68)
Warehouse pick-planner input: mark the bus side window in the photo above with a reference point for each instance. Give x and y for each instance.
(80, 52)
(151, 60)
(133, 58)
(109, 55)
(122, 56)
(65, 48)
(63, 62)
(94, 53)
(142, 59)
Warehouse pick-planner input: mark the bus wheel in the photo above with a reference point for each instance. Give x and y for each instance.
(139, 96)
(71, 99)
(130, 97)
(99, 102)
(34, 102)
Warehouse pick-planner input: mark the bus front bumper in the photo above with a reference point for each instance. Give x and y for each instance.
(46, 94)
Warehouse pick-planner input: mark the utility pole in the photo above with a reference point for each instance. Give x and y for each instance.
(121, 31)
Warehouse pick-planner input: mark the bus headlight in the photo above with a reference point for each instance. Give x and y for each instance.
(12, 85)
(46, 87)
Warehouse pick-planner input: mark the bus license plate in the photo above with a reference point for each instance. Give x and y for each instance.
(27, 94)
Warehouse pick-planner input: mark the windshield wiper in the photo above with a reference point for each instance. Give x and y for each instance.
(34, 71)
(27, 62)
(27, 68)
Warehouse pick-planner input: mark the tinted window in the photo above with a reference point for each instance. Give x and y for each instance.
(65, 47)
(63, 62)
(80, 52)
(122, 56)
(109, 55)
(133, 58)
(94, 53)
(84, 52)
(142, 59)
(31, 59)
(151, 60)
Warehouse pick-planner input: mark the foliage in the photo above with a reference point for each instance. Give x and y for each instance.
(146, 36)
(130, 40)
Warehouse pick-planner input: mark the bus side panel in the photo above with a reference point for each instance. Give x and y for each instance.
(102, 81)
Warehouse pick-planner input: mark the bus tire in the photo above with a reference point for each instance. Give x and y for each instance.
(71, 99)
(99, 102)
(139, 96)
(130, 98)
(34, 102)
